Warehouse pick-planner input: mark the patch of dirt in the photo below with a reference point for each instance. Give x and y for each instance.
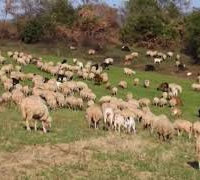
(36, 158)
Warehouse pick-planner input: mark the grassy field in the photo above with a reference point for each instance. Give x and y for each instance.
(73, 151)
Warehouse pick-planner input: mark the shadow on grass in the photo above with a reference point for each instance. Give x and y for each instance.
(194, 164)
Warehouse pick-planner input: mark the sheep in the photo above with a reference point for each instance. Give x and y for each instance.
(90, 103)
(189, 74)
(162, 102)
(10, 54)
(130, 125)
(157, 60)
(172, 102)
(136, 82)
(6, 96)
(197, 148)
(125, 48)
(104, 77)
(164, 128)
(196, 128)
(119, 121)
(143, 102)
(165, 95)
(122, 84)
(129, 96)
(108, 116)
(196, 87)
(33, 107)
(17, 96)
(170, 54)
(175, 89)
(146, 83)
(114, 91)
(183, 125)
(91, 52)
(176, 112)
(109, 61)
(94, 115)
(105, 99)
(129, 71)
(151, 53)
(156, 101)
(163, 87)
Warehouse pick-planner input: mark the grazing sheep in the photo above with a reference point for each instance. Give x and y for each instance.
(156, 101)
(157, 60)
(129, 96)
(130, 125)
(119, 121)
(33, 107)
(136, 82)
(146, 83)
(114, 91)
(162, 102)
(196, 128)
(170, 54)
(91, 52)
(183, 125)
(108, 116)
(196, 87)
(197, 148)
(94, 115)
(108, 85)
(144, 102)
(164, 128)
(129, 71)
(123, 84)
(172, 102)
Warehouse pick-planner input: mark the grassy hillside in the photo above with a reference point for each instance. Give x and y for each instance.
(73, 151)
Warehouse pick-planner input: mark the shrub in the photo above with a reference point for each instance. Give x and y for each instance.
(32, 32)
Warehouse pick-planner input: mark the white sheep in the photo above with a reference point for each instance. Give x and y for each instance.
(114, 91)
(33, 107)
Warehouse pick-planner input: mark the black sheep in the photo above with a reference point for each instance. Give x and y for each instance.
(64, 61)
(163, 87)
(149, 67)
(181, 67)
(125, 48)
(105, 65)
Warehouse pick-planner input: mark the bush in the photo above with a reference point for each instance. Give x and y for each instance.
(32, 32)
(193, 35)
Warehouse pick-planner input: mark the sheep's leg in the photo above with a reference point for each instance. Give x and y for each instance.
(35, 125)
(178, 132)
(95, 125)
(27, 125)
(199, 165)
(43, 127)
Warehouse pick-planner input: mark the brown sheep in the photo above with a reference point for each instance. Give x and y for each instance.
(94, 115)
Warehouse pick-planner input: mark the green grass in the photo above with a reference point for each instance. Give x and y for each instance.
(70, 126)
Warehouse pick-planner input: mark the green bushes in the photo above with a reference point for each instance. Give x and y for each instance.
(32, 32)
(193, 35)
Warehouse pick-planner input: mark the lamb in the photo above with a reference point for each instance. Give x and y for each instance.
(94, 115)
(156, 101)
(197, 147)
(162, 102)
(146, 83)
(114, 91)
(136, 82)
(33, 107)
(123, 84)
(129, 71)
(196, 129)
(183, 125)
